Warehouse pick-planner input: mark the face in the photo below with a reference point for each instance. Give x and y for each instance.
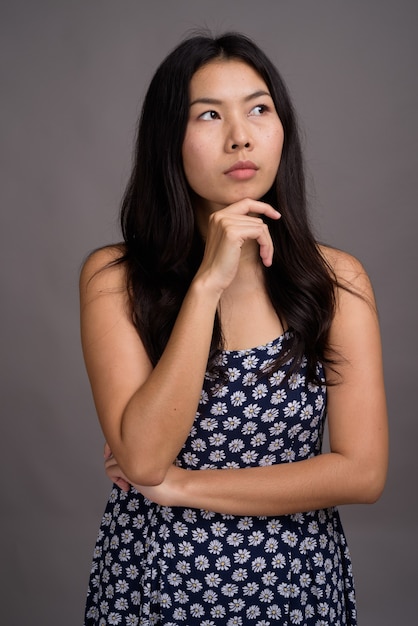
(234, 137)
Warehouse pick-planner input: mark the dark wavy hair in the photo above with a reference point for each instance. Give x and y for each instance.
(162, 245)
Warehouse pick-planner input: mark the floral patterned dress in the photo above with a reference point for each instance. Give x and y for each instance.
(190, 567)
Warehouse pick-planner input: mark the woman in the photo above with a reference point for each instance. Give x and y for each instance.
(216, 338)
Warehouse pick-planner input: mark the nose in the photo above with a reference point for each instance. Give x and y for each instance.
(234, 146)
(238, 137)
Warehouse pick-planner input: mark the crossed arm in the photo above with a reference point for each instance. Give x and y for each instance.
(146, 414)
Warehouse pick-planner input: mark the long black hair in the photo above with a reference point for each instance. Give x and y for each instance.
(162, 246)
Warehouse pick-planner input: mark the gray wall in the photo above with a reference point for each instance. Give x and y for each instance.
(72, 77)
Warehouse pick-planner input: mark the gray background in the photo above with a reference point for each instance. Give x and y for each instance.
(72, 78)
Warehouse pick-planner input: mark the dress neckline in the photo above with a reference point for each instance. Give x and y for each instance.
(265, 346)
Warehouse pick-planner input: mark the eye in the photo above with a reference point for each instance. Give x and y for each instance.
(209, 115)
(259, 109)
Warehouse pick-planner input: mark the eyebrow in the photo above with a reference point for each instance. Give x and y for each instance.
(251, 96)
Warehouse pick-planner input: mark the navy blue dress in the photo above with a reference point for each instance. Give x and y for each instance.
(191, 567)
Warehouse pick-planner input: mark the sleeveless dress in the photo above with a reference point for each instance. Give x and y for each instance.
(178, 566)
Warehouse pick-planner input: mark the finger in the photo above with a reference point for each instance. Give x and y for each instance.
(107, 451)
(122, 484)
(248, 205)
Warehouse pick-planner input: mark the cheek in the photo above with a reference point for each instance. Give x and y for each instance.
(193, 154)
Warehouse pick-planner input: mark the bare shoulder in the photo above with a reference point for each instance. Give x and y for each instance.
(349, 272)
(101, 272)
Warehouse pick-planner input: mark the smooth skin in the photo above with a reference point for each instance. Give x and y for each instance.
(146, 413)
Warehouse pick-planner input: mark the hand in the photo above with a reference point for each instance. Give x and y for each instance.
(228, 230)
(165, 493)
(113, 470)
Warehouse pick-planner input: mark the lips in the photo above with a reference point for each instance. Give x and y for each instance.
(242, 165)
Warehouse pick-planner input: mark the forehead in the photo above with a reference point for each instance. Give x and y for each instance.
(226, 77)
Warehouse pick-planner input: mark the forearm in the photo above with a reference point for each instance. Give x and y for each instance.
(158, 417)
(320, 482)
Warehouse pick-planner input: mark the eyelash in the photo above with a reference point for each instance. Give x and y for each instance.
(264, 108)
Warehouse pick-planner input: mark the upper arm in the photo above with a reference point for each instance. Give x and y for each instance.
(356, 403)
(116, 361)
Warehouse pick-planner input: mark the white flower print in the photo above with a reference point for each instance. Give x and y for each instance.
(267, 459)
(223, 563)
(219, 529)
(304, 450)
(292, 408)
(217, 611)
(255, 538)
(186, 566)
(274, 612)
(235, 539)
(271, 545)
(238, 398)
(236, 445)
(219, 408)
(213, 580)
(219, 390)
(116, 569)
(199, 445)
(133, 504)
(217, 456)
(186, 548)
(259, 439)
(294, 430)
(288, 455)
(249, 428)
(233, 374)
(260, 391)
(307, 412)
(215, 547)
(201, 562)
(277, 378)
(124, 555)
(253, 611)
(249, 456)
(266, 595)
(231, 423)
(132, 572)
(270, 415)
(196, 610)
(240, 574)
(252, 410)
(278, 396)
(296, 380)
(296, 616)
(245, 523)
(190, 459)
(180, 529)
(258, 564)
(199, 535)
(194, 585)
(204, 397)
(217, 439)
(242, 556)
(250, 588)
(179, 614)
(249, 379)
(169, 550)
(174, 579)
(269, 578)
(250, 362)
(183, 567)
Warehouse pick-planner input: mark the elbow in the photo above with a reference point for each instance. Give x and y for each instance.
(145, 474)
(371, 486)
